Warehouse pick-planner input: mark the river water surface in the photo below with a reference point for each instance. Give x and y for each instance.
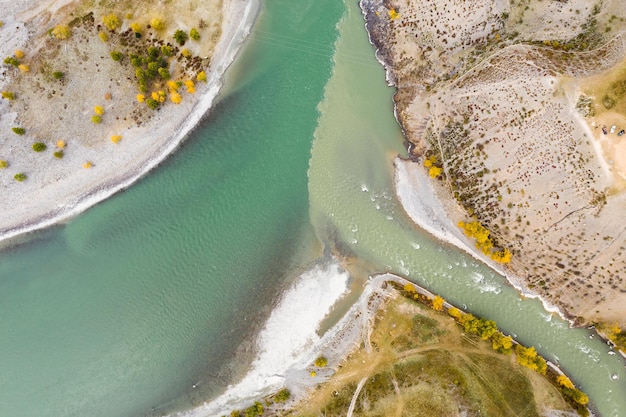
(148, 302)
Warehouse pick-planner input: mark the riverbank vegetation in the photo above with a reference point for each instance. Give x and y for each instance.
(426, 357)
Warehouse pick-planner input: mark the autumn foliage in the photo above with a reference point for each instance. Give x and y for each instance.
(484, 242)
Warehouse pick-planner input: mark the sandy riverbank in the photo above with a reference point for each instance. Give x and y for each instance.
(56, 190)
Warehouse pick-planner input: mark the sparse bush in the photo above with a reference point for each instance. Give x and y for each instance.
(135, 27)
(116, 138)
(584, 106)
(58, 154)
(116, 56)
(8, 95)
(180, 36)
(19, 54)
(111, 21)
(99, 110)
(23, 68)
(103, 36)
(201, 76)
(87, 164)
(58, 75)
(18, 130)
(39, 147)
(194, 34)
(186, 53)
(608, 102)
(20, 177)
(61, 31)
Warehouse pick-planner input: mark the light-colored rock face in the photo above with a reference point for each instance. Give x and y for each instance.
(492, 90)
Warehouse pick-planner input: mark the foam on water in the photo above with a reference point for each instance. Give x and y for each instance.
(289, 339)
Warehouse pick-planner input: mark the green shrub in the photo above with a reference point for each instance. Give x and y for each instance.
(194, 34)
(18, 130)
(164, 73)
(58, 75)
(3, 163)
(95, 119)
(180, 36)
(11, 61)
(19, 177)
(166, 50)
(9, 95)
(39, 146)
(58, 154)
(117, 56)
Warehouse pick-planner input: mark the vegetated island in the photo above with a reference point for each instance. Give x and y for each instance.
(516, 110)
(412, 353)
(94, 94)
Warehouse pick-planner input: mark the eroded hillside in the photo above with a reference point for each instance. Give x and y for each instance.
(506, 103)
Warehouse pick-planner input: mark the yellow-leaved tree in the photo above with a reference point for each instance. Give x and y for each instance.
(437, 303)
(111, 21)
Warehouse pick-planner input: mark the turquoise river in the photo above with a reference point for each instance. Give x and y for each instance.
(148, 303)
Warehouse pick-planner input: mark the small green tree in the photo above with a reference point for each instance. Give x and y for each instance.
(117, 56)
(321, 362)
(254, 410)
(166, 50)
(19, 177)
(58, 154)
(194, 34)
(164, 73)
(3, 164)
(180, 36)
(282, 395)
(39, 146)
(11, 61)
(18, 130)
(58, 75)
(95, 119)
(152, 103)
